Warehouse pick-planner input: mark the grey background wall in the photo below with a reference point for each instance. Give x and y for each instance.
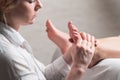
(98, 17)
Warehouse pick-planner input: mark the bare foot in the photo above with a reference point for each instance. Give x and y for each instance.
(60, 38)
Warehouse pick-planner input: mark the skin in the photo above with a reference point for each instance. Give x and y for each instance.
(108, 47)
(58, 37)
(23, 13)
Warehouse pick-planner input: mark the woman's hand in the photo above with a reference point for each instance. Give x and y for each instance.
(81, 51)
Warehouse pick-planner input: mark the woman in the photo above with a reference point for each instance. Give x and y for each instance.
(13, 14)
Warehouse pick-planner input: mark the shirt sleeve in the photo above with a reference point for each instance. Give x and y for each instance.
(57, 70)
(54, 71)
(20, 65)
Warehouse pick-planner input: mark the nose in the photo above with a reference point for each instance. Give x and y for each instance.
(38, 5)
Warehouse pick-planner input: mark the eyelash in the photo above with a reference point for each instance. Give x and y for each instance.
(31, 1)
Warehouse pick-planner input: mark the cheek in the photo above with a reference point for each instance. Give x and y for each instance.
(25, 13)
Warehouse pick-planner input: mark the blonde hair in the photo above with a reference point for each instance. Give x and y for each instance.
(4, 5)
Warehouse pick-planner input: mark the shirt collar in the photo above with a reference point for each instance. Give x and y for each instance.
(11, 34)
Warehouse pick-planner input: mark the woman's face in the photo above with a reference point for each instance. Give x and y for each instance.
(24, 12)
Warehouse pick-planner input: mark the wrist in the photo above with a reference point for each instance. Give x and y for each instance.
(79, 66)
(67, 59)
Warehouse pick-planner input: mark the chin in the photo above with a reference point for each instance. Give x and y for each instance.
(28, 23)
(31, 22)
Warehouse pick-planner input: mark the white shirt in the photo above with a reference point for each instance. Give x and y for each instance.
(108, 69)
(28, 66)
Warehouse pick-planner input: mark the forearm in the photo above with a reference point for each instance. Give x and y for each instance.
(57, 70)
(76, 72)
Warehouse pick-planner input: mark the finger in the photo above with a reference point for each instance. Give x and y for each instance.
(83, 35)
(80, 43)
(89, 45)
(91, 39)
(86, 46)
(94, 41)
(83, 44)
(93, 48)
(90, 49)
(88, 37)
